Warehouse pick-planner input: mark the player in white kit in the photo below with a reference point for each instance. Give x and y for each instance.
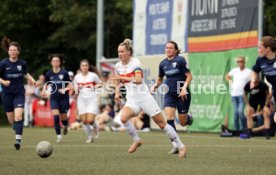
(85, 83)
(129, 72)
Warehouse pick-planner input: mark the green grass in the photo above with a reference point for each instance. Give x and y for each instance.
(207, 154)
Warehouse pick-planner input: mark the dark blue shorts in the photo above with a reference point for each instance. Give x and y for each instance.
(60, 103)
(12, 101)
(172, 100)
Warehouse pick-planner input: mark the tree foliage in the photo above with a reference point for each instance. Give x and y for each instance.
(43, 27)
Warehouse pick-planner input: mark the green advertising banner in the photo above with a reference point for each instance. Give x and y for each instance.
(211, 102)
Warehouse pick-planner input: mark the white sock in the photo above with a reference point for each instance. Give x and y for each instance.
(59, 136)
(173, 136)
(18, 137)
(132, 131)
(87, 129)
(174, 144)
(96, 128)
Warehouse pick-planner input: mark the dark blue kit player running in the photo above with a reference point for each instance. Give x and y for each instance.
(57, 85)
(178, 78)
(12, 73)
(266, 63)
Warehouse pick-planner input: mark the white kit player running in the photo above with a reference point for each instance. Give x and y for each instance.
(85, 83)
(129, 72)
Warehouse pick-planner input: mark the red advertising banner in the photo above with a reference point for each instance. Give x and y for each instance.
(43, 116)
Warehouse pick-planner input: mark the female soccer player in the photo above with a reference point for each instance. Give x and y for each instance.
(12, 73)
(85, 83)
(178, 75)
(266, 63)
(57, 84)
(129, 72)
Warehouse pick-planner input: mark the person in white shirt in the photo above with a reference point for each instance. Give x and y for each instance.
(129, 72)
(237, 79)
(85, 83)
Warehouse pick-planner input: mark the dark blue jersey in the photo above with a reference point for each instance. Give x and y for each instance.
(14, 72)
(268, 68)
(57, 81)
(174, 70)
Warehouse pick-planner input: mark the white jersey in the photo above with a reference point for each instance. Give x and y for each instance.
(86, 84)
(133, 91)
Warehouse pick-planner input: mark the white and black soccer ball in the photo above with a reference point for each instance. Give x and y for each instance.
(44, 149)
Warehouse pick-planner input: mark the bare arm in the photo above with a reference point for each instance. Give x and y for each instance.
(29, 77)
(254, 77)
(188, 80)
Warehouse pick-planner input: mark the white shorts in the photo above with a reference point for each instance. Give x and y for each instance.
(87, 105)
(148, 105)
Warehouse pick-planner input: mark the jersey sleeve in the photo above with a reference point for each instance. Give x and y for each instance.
(138, 68)
(161, 71)
(66, 76)
(184, 67)
(24, 67)
(47, 79)
(2, 69)
(97, 79)
(257, 66)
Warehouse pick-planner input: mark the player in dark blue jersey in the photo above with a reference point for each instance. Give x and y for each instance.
(12, 73)
(178, 78)
(57, 85)
(266, 63)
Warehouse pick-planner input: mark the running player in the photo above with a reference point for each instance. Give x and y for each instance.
(12, 73)
(266, 63)
(178, 75)
(56, 81)
(85, 83)
(129, 72)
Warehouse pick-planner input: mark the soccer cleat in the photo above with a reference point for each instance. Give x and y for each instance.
(173, 151)
(182, 152)
(59, 139)
(189, 119)
(134, 146)
(244, 136)
(89, 139)
(65, 130)
(17, 145)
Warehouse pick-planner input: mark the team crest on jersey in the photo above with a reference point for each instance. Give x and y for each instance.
(60, 77)
(19, 67)
(174, 64)
(274, 65)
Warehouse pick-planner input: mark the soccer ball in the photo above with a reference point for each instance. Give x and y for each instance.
(44, 149)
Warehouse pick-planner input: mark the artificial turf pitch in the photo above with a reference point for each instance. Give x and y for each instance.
(207, 154)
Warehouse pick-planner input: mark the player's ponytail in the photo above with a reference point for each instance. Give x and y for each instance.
(6, 43)
(128, 44)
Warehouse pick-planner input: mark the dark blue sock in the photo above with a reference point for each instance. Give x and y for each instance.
(18, 127)
(171, 122)
(56, 124)
(64, 122)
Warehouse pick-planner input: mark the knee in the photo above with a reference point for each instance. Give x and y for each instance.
(124, 120)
